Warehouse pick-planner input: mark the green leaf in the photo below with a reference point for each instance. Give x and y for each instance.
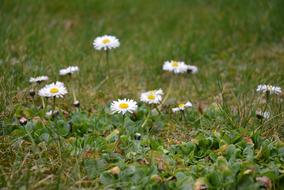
(106, 178)
(248, 152)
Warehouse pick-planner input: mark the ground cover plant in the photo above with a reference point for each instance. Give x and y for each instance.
(141, 94)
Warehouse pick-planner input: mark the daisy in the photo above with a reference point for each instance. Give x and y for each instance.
(159, 92)
(263, 115)
(56, 89)
(181, 107)
(38, 79)
(192, 69)
(106, 42)
(123, 106)
(152, 97)
(269, 89)
(51, 113)
(175, 66)
(69, 70)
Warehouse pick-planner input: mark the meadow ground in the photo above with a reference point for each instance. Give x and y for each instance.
(219, 143)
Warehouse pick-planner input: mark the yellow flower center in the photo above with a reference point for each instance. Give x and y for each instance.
(123, 105)
(175, 64)
(106, 41)
(181, 105)
(151, 97)
(54, 90)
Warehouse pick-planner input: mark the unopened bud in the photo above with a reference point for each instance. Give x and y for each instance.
(115, 170)
(76, 104)
(137, 136)
(23, 121)
(262, 115)
(32, 93)
(55, 113)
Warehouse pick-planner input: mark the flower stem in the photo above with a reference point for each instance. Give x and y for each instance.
(72, 89)
(156, 107)
(123, 120)
(107, 57)
(195, 86)
(123, 124)
(33, 99)
(168, 91)
(43, 103)
(74, 95)
(145, 121)
(183, 116)
(267, 101)
(54, 98)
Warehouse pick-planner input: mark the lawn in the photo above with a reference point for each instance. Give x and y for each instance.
(222, 142)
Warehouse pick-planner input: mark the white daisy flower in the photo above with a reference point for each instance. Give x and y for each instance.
(106, 42)
(264, 115)
(69, 70)
(152, 97)
(269, 89)
(123, 106)
(175, 66)
(192, 69)
(38, 79)
(182, 107)
(56, 89)
(159, 92)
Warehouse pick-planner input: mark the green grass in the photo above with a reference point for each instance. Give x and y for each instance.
(236, 45)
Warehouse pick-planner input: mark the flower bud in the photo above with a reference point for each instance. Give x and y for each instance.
(115, 170)
(32, 93)
(76, 104)
(137, 136)
(23, 121)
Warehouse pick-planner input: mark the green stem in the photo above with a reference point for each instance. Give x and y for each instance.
(74, 95)
(183, 116)
(156, 107)
(42, 101)
(123, 121)
(72, 89)
(195, 86)
(168, 91)
(145, 121)
(267, 101)
(54, 98)
(33, 99)
(107, 57)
